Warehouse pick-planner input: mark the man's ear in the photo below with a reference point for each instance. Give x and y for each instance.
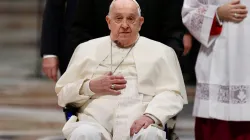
(141, 21)
(108, 21)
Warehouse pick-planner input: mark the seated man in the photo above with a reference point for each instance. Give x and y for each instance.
(127, 86)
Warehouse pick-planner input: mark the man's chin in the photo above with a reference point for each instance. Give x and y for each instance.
(124, 35)
(123, 39)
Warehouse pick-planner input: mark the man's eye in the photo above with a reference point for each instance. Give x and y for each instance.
(118, 19)
(130, 18)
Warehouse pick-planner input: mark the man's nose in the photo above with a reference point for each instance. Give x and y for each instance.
(124, 24)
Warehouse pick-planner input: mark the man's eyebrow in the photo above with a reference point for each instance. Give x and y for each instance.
(132, 14)
(120, 14)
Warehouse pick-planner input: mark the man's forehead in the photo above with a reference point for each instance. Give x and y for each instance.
(125, 4)
(126, 13)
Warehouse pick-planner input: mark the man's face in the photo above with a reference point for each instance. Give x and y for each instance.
(124, 21)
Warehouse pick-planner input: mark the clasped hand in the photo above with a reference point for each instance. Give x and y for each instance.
(108, 84)
(233, 11)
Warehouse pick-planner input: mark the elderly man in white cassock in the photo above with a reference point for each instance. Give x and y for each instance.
(126, 86)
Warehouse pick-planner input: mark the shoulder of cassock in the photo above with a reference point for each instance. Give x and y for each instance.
(148, 48)
(169, 58)
(156, 48)
(88, 47)
(81, 51)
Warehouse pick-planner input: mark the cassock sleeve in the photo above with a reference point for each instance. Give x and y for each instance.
(198, 18)
(71, 86)
(170, 89)
(216, 27)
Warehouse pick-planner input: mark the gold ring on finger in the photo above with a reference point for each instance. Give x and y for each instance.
(112, 86)
(235, 15)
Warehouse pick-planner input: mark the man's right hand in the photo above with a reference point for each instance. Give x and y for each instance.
(50, 67)
(232, 11)
(103, 85)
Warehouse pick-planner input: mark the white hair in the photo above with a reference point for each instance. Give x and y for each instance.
(138, 6)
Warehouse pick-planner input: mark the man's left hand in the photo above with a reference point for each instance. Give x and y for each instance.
(50, 67)
(142, 122)
(187, 43)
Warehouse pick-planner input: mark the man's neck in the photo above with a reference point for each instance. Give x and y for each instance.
(120, 45)
(124, 45)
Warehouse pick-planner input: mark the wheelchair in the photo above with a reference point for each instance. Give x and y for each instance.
(170, 135)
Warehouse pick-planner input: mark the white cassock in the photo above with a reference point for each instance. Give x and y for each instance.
(223, 67)
(154, 86)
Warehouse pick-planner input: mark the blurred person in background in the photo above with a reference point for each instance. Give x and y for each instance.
(222, 97)
(57, 20)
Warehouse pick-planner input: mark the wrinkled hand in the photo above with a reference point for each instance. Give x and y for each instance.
(102, 85)
(232, 11)
(187, 43)
(50, 67)
(142, 122)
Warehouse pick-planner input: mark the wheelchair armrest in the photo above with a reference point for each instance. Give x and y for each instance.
(70, 110)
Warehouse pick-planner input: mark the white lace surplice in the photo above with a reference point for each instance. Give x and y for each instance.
(223, 67)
